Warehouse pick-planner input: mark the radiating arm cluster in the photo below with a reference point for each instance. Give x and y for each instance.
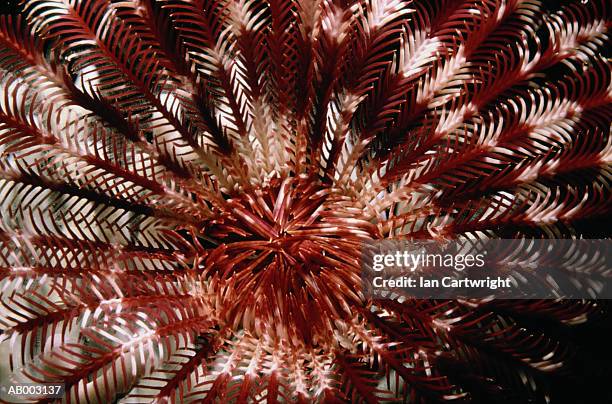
(185, 186)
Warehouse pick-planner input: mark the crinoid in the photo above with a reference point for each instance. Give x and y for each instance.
(185, 186)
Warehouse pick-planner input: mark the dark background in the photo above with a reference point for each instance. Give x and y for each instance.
(6, 6)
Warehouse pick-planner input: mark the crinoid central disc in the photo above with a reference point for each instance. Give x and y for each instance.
(287, 255)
